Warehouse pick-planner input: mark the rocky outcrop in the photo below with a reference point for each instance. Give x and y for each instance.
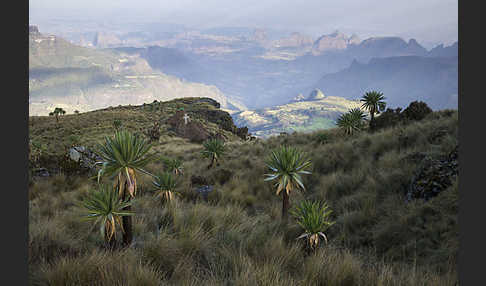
(202, 186)
(84, 156)
(192, 130)
(333, 42)
(434, 176)
(299, 97)
(219, 117)
(295, 40)
(189, 121)
(316, 94)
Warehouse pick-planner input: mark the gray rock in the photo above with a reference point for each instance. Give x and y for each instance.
(204, 191)
(41, 172)
(84, 156)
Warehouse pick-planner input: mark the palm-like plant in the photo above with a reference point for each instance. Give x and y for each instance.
(104, 207)
(347, 123)
(213, 149)
(165, 185)
(57, 111)
(358, 117)
(357, 114)
(287, 164)
(123, 156)
(117, 124)
(313, 217)
(173, 165)
(374, 102)
(351, 121)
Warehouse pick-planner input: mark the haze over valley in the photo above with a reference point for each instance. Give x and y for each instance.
(85, 64)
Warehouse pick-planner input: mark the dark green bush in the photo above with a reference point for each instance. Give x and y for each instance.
(388, 118)
(417, 110)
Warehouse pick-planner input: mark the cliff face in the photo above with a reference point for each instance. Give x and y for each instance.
(295, 40)
(387, 47)
(333, 42)
(106, 40)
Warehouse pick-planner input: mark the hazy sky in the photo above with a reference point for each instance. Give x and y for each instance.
(428, 21)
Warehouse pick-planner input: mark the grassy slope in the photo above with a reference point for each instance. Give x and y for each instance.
(236, 238)
(90, 128)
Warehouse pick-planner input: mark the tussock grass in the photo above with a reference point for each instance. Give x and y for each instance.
(237, 238)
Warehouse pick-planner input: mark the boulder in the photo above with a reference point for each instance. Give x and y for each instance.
(84, 156)
(242, 132)
(204, 191)
(193, 130)
(41, 172)
(434, 176)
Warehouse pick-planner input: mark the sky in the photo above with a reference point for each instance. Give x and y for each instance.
(430, 22)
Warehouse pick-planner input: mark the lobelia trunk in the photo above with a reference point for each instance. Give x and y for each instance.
(372, 120)
(127, 226)
(285, 206)
(127, 221)
(111, 245)
(213, 159)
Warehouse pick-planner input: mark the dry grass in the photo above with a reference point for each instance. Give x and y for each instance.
(236, 238)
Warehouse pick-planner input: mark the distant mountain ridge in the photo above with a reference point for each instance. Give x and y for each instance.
(259, 67)
(402, 80)
(332, 42)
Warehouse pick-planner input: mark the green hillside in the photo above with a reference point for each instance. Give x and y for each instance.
(236, 237)
(309, 115)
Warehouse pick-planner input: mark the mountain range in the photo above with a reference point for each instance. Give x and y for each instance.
(242, 68)
(65, 75)
(401, 79)
(260, 72)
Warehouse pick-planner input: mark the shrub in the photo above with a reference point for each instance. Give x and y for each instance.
(417, 110)
(153, 133)
(389, 118)
(322, 138)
